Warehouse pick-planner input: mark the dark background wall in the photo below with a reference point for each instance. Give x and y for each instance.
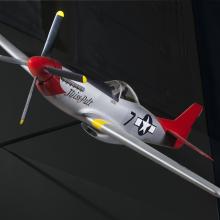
(208, 33)
(66, 174)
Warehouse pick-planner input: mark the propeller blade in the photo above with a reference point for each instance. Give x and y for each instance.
(12, 60)
(28, 101)
(67, 74)
(52, 33)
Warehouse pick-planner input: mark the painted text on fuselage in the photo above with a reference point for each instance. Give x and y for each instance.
(79, 97)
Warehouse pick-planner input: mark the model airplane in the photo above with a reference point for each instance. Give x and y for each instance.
(109, 111)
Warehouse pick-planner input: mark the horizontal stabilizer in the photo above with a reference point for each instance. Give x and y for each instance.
(190, 145)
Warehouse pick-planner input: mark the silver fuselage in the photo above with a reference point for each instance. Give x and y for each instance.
(81, 99)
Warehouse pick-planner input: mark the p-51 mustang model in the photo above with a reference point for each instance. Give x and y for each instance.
(109, 111)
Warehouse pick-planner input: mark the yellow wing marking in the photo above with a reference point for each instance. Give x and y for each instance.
(98, 123)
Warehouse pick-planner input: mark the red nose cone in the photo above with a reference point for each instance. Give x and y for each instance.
(36, 66)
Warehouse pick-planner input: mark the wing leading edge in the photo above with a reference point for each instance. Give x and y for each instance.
(154, 155)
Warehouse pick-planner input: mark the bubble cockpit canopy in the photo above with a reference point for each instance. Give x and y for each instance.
(121, 90)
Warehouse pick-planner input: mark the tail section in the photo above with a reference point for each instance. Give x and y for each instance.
(188, 118)
(180, 127)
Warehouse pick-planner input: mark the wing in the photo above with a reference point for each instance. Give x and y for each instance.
(152, 154)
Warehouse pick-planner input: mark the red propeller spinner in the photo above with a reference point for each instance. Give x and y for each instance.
(37, 64)
(42, 67)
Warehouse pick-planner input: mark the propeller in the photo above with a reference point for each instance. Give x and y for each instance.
(42, 66)
(52, 33)
(47, 47)
(28, 101)
(67, 74)
(12, 60)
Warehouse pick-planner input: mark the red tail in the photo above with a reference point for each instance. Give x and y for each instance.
(182, 125)
(180, 128)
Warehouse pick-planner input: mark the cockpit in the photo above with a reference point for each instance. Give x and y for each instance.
(121, 90)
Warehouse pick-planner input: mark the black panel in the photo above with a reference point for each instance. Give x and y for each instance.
(25, 16)
(207, 22)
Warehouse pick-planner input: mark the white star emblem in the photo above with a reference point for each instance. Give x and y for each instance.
(145, 125)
